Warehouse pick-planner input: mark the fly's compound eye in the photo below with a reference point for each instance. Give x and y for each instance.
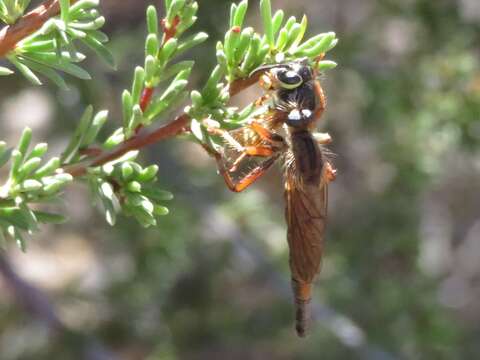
(289, 79)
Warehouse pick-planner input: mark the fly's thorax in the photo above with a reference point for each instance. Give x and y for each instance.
(298, 104)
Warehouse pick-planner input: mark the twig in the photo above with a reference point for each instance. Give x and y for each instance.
(11, 35)
(136, 142)
(241, 84)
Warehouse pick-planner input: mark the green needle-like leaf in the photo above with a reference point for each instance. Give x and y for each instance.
(49, 218)
(101, 50)
(240, 12)
(277, 21)
(266, 11)
(48, 73)
(77, 138)
(5, 71)
(25, 70)
(152, 20)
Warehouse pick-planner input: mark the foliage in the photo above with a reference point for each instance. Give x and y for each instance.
(29, 182)
(11, 10)
(121, 184)
(52, 48)
(212, 281)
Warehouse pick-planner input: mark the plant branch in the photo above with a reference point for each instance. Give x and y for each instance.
(241, 84)
(136, 142)
(27, 25)
(144, 138)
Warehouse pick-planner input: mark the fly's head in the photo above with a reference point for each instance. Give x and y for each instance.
(292, 84)
(288, 76)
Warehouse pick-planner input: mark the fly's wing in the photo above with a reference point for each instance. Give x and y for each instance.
(306, 214)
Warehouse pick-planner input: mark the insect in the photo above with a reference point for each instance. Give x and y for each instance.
(286, 131)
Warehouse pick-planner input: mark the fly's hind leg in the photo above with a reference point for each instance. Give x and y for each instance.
(322, 138)
(330, 172)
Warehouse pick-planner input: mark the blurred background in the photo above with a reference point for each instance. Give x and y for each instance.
(401, 277)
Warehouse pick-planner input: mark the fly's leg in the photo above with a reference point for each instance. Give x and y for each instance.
(268, 151)
(322, 99)
(271, 150)
(244, 150)
(330, 172)
(262, 151)
(274, 142)
(267, 135)
(262, 100)
(255, 174)
(322, 138)
(227, 137)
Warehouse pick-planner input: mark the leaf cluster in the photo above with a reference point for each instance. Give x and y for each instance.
(11, 10)
(53, 49)
(244, 50)
(140, 108)
(31, 181)
(124, 185)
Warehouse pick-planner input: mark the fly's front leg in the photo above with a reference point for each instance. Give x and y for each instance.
(274, 142)
(244, 150)
(255, 174)
(274, 139)
(262, 100)
(262, 151)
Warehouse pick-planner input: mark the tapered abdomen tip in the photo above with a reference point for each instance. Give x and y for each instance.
(302, 317)
(302, 295)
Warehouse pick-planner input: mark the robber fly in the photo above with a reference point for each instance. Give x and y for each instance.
(285, 131)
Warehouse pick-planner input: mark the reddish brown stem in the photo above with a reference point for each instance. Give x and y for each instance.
(136, 142)
(146, 97)
(143, 139)
(241, 84)
(91, 151)
(171, 30)
(27, 25)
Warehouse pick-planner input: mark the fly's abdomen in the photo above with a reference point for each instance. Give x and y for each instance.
(308, 157)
